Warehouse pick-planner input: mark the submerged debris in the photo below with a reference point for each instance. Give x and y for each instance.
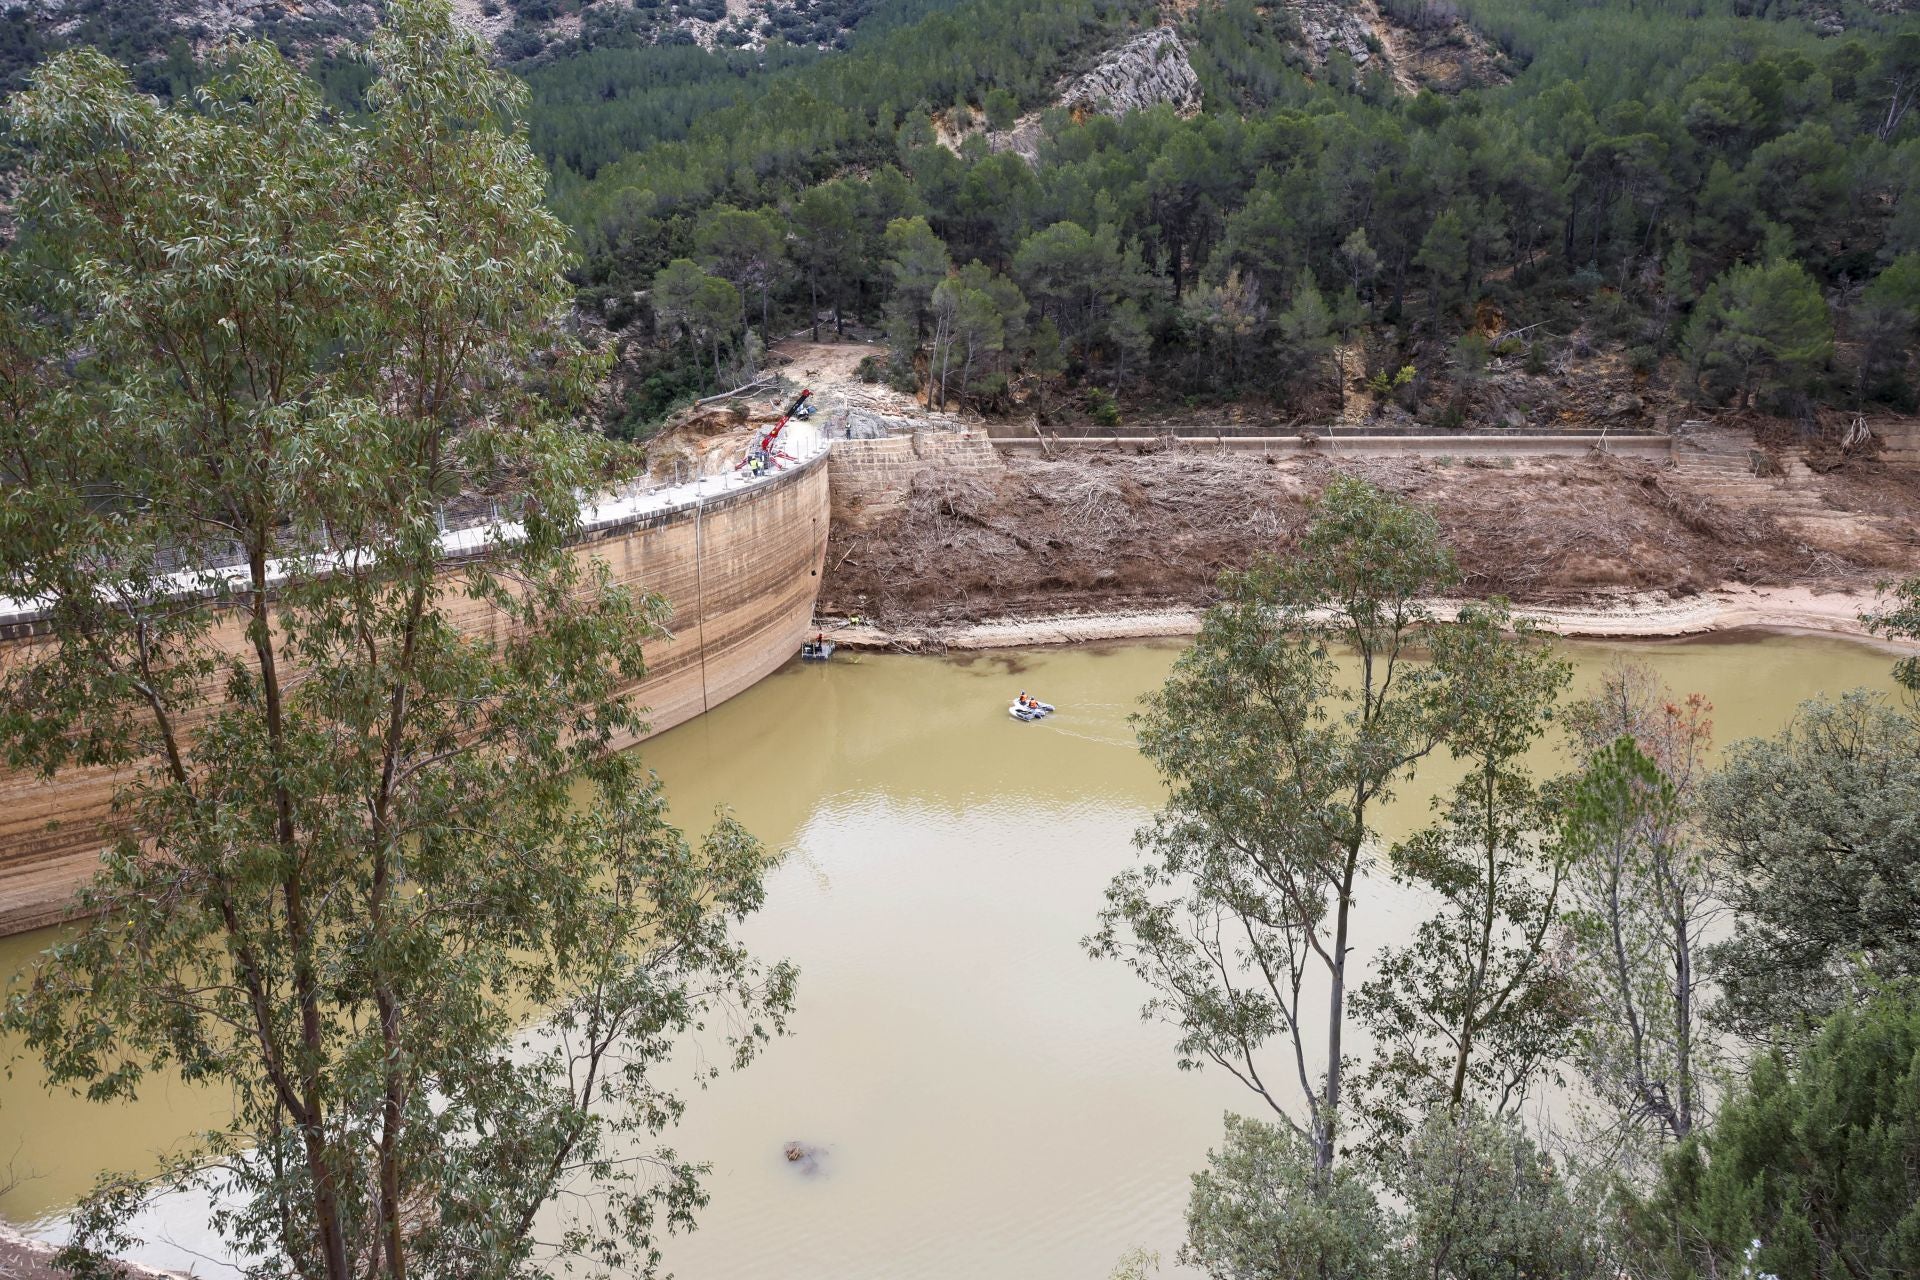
(804, 1156)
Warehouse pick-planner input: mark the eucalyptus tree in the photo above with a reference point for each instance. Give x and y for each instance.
(1474, 1007)
(1645, 897)
(360, 847)
(1280, 734)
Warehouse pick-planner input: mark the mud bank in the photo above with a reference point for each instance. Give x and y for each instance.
(1730, 608)
(24, 1258)
(1614, 546)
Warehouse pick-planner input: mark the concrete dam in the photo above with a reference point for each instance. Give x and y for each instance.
(738, 559)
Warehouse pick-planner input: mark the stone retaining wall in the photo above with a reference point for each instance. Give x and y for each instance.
(870, 478)
(1652, 448)
(1899, 440)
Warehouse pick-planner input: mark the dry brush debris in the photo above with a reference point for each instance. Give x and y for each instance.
(1112, 530)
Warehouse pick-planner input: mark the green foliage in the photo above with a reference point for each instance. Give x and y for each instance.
(1474, 1199)
(1469, 1012)
(363, 845)
(1886, 323)
(1760, 329)
(1443, 255)
(1818, 835)
(1003, 109)
(919, 263)
(1618, 178)
(1307, 330)
(1471, 354)
(1277, 761)
(1900, 619)
(1072, 276)
(1131, 337)
(602, 104)
(1644, 897)
(826, 244)
(977, 316)
(746, 248)
(1260, 1212)
(1813, 1167)
(699, 308)
(1101, 408)
(1383, 384)
(1483, 1202)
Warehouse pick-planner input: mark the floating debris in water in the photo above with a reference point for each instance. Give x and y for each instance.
(804, 1157)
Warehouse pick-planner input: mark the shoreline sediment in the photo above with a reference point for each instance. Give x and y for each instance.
(1729, 608)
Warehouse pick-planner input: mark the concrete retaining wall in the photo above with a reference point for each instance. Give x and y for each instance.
(1899, 440)
(740, 564)
(1656, 448)
(872, 477)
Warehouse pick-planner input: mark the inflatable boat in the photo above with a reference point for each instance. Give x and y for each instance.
(1032, 711)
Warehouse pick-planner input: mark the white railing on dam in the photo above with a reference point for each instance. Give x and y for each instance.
(802, 442)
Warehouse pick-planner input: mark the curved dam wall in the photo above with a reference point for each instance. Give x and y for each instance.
(739, 560)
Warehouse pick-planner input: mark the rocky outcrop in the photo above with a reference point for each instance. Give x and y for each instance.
(1327, 25)
(303, 27)
(1149, 69)
(1422, 44)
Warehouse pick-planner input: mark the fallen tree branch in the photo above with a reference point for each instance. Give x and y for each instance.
(728, 395)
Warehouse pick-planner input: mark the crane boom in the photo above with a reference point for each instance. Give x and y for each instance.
(768, 449)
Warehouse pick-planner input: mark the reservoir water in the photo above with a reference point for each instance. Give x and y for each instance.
(987, 1100)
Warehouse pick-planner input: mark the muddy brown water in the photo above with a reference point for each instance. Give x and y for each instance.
(973, 1095)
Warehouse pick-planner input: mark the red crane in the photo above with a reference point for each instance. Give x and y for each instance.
(761, 456)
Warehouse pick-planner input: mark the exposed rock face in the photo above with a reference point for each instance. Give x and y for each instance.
(305, 26)
(1150, 68)
(1424, 44)
(1326, 25)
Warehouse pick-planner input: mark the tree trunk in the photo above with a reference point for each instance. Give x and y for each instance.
(1682, 1024)
(943, 343)
(1482, 960)
(1336, 1023)
(326, 1200)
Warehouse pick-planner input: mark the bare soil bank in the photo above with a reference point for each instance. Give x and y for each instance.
(1607, 546)
(24, 1258)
